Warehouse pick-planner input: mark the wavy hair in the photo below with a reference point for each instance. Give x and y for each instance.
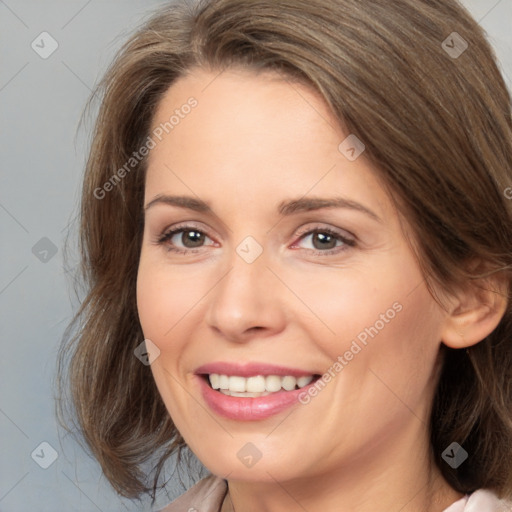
(437, 126)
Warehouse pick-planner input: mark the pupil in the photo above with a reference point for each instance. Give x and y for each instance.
(324, 241)
(192, 238)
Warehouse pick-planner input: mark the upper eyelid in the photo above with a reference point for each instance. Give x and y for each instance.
(300, 232)
(343, 233)
(183, 226)
(172, 230)
(348, 241)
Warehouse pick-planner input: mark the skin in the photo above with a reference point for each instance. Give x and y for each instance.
(361, 445)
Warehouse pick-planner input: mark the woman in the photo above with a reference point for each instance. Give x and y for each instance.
(296, 239)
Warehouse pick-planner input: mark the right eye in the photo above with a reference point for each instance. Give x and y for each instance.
(183, 239)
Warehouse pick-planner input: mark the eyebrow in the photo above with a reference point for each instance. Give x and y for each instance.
(308, 204)
(190, 203)
(285, 208)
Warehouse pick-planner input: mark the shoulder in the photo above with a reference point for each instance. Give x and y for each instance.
(482, 500)
(206, 496)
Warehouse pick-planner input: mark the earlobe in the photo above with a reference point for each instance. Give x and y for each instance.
(474, 314)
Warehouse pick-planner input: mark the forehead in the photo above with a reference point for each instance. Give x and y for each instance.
(256, 133)
(260, 104)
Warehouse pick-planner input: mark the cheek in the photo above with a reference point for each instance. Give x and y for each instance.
(345, 306)
(164, 298)
(166, 306)
(416, 335)
(378, 319)
(398, 357)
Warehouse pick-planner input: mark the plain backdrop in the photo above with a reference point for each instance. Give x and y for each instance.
(41, 101)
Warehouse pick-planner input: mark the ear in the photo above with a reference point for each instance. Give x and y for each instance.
(475, 312)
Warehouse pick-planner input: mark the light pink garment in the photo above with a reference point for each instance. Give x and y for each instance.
(209, 493)
(206, 496)
(480, 501)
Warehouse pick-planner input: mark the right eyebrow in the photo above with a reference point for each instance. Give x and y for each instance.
(190, 203)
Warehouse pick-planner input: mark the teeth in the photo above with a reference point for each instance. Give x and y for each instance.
(288, 383)
(223, 382)
(255, 384)
(214, 380)
(237, 384)
(304, 381)
(246, 394)
(273, 383)
(234, 385)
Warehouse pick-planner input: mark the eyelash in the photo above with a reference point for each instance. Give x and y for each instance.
(347, 242)
(166, 236)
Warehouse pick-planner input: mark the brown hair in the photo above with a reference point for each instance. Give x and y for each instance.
(436, 126)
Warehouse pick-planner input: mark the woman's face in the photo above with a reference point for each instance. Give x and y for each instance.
(272, 252)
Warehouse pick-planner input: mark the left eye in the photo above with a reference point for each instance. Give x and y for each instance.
(324, 240)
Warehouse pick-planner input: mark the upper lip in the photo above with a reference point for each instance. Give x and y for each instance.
(250, 369)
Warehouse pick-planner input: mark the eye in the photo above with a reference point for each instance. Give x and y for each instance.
(324, 240)
(185, 238)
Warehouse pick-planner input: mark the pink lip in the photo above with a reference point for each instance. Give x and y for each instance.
(250, 369)
(247, 408)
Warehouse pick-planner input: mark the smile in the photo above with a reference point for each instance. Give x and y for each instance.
(252, 391)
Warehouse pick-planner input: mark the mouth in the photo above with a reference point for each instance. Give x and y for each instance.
(256, 386)
(252, 391)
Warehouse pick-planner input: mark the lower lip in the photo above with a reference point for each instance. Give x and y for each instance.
(248, 408)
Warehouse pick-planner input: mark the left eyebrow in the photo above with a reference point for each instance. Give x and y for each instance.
(308, 204)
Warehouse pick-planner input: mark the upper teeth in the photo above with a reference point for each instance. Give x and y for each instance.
(257, 384)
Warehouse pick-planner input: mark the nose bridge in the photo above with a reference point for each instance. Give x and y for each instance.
(248, 263)
(245, 298)
(243, 279)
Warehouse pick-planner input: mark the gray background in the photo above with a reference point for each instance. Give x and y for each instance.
(41, 101)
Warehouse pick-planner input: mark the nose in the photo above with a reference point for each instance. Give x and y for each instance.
(247, 302)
